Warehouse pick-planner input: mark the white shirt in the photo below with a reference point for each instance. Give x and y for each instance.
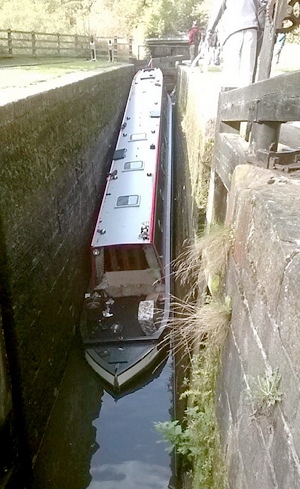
(235, 15)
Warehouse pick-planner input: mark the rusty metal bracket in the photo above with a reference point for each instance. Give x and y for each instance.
(288, 14)
(285, 160)
(292, 17)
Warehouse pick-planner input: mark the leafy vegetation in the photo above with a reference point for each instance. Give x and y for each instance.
(265, 392)
(103, 17)
(196, 438)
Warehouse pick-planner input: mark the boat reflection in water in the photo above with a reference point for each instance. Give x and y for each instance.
(129, 455)
(97, 441)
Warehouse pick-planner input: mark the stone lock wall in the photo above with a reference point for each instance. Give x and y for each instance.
(261, 439)
(54, 151)
(260, 435)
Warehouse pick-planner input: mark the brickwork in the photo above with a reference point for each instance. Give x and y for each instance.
(54, 151)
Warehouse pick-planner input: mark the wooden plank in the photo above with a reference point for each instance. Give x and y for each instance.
(113, 259)
(276, 99)
(231, 150)
(125, 253)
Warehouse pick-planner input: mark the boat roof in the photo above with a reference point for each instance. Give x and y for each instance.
(129, 199)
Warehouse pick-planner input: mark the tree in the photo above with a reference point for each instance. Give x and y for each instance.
(104, 17)
(164, 17)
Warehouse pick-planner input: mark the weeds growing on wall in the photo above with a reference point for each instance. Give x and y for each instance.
(265, 392)
(196, 438)
(199, 153)
(201, 325)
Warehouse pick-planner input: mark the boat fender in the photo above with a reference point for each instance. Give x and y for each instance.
(146, 312)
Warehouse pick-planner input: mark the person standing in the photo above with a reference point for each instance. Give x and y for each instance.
(194, 40)
(238, 36)
(214, 50)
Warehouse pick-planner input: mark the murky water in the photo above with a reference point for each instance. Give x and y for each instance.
(97, 442)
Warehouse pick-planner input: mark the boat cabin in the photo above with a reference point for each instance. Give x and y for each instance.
(127, 248)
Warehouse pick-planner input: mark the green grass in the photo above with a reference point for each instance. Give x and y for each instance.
(55, 66)
(69, 66)
(31, 71)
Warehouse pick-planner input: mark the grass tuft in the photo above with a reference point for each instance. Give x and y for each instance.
(205, 260)
(194, 325)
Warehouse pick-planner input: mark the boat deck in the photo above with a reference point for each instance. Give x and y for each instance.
(116, 322)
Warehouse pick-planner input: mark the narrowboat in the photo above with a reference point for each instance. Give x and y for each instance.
(127, 307)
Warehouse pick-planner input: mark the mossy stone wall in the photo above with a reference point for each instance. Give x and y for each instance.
(54, 153)
(258, 417)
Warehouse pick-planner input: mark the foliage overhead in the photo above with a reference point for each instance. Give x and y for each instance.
(119, 18)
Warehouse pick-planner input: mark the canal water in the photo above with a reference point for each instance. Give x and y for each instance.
(96, 441)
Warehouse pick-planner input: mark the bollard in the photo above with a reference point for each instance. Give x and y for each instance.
(93, 49)
(110, 50)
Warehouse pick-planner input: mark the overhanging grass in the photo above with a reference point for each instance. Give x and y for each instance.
(201, 326)
(197, 437)
(205, 259)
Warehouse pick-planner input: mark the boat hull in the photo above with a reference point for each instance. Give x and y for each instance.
(139, 359)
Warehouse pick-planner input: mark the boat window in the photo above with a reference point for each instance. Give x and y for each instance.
(141, 136)
(155, 114)
(128, 201)
(133, 165)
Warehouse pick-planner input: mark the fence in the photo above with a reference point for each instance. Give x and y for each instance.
(43, 44)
